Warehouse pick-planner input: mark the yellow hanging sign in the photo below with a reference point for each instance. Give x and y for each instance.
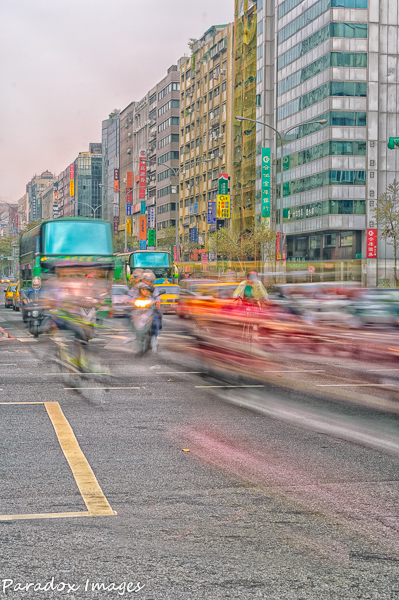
(223, 207)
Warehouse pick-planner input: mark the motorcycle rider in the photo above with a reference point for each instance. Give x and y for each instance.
(135, 279)
(251, 288)
(148, 277)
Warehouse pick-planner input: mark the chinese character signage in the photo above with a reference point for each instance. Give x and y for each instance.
(371, 243)
(143, 244)
(142, 207)
(223, 207)
(223, 184)
(152, 217)
(116, 174)
(72, 188)
(151, 238)
(116, 225)
(193, 235)
(129, 226)
(266, 178)
(72, 171)
(128, 209)
(129, 179)
(143, 228)
(211, 212)
(142, 173)
(128, 195)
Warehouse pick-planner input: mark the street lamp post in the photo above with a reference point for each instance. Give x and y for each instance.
(175, 173)
(282, 137)
(111, 187)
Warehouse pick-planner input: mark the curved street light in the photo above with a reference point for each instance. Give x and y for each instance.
(112, 187)
(282, 136)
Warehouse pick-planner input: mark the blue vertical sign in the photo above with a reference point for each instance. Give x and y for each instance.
(212, 212)
(193, 235)
(128, 209)
(143, 244)
(266, 179)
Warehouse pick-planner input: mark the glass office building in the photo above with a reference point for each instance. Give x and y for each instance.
(336, 61)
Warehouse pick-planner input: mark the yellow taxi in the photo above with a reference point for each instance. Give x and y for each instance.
(9, 295)
(16, 299)
(169, 300)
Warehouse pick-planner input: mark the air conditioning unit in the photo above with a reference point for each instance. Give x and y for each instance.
(129, 151)
(212, 156)
(184, 172)
(220, 155)
(220, 136)
(223, 71)
(129, 135)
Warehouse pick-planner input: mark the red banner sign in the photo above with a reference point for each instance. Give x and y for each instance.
(128, 195)
(143, 228)
(72, 171)
(129, 179)
(143, 176)
(371, 243)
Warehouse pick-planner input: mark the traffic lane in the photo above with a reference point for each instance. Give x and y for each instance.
(36, 477)
(192, 524)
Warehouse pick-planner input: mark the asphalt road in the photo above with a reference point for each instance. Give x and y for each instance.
(189, 491)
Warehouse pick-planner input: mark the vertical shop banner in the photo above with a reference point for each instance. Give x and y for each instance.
(223, 184)
(128, 209)
(211, 212)
(371, 243)
(143, 228)
(223, 207)
(116, 174)
(129, 179)
(266, 179)
(116, 225)
(129, 226)
(151, 238)
(143, 245)
(142, 207)
(72, 180)
(278, 246)
(128, 195)
(142, 173)
(152, 217)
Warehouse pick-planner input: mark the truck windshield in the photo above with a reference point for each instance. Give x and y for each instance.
(82, 238)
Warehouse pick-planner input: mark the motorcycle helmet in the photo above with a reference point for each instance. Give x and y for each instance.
(148, 277)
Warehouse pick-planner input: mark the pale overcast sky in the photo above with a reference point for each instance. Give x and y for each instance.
(66, 64)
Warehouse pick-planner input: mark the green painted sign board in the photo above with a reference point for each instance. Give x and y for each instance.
(151, 237)
(266, 182)
(393, 143)
(223, 184)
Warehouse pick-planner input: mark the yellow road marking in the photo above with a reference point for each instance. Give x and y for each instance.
(87, 483)
(44, 516)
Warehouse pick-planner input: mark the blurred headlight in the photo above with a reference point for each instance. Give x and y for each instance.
(35, 313)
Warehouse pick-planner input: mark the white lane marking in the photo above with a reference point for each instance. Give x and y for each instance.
(229, 386)
(176, 372)
(355, 385)
(299, 371)
(8, 365)
(378, 370)
(102, 388)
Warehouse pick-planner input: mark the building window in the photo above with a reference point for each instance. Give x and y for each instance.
(259, 75)
(258, 100)
(152, 99)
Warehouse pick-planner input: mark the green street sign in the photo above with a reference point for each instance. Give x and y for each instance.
(223, 184)
(393, 143)
(151, 237)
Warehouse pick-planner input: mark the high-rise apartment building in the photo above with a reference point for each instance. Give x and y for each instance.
(87, 175)
(205, 132)
(34, 188)
(110, 169)
(125, 165)
(335, 61)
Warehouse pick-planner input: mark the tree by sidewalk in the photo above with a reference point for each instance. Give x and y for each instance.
(387, 216)
(168, 238)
